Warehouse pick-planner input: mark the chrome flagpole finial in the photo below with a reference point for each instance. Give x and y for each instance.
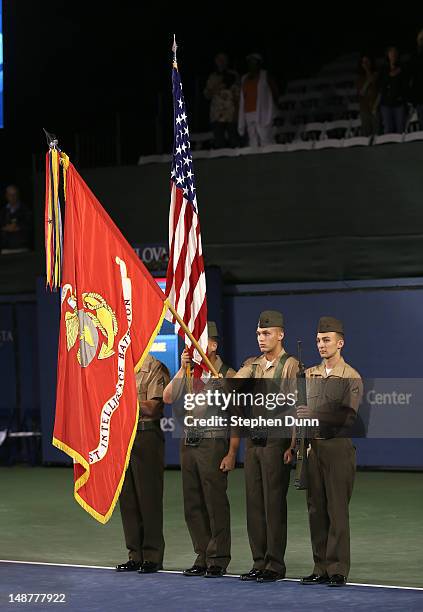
(52, 140)
(174, 47)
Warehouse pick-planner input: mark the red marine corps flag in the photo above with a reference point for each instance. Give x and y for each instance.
(111, 310)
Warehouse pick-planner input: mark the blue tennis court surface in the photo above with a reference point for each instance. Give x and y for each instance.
(103, 590)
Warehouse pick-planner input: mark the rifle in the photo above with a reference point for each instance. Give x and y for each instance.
(300, 480)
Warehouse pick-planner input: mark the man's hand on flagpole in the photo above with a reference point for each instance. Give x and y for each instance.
(185, 359)
(174, 389)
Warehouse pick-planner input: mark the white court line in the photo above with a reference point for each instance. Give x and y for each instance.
(377, 586)
(56, 564)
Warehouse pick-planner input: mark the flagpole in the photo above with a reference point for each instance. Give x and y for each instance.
(194, 341)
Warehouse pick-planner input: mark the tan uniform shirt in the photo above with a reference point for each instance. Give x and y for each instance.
(218, 365)
(289, 370)
(341, 389)
(151, 380)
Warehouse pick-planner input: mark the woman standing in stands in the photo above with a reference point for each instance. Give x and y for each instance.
(257, 104)
(368, 95)
(222, 89)
(393, 89)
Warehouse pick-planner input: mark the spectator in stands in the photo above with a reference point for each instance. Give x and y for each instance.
(15, 223)
(394, 92)
(222, 89)
(257, 107)
(368, 95)
(416, 79)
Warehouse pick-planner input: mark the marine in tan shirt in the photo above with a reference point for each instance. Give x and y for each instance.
(141, 499)
(267, 457)
(151, 380)
(334, 393)
(207, 455)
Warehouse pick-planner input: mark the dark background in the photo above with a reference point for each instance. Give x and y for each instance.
(71, 66)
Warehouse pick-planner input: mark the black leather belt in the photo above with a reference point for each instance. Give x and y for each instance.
(147, 425)
(259, 435)
(216, 433)
(195, 436)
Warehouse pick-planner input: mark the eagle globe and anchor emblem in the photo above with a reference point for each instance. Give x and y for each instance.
(86, 324)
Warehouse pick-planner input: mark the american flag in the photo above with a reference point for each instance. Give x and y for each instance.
(185, 279)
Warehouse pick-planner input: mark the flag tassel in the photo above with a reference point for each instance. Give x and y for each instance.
(56, 167)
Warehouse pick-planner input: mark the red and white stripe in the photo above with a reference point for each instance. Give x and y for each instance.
(186, 280)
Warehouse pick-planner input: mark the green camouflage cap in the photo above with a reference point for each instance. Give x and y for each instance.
(212, 329)
(270, 318)
(330, 324)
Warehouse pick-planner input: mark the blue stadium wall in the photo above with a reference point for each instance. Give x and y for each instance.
(384, 336)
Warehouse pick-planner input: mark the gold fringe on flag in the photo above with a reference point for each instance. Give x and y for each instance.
(57, 164)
